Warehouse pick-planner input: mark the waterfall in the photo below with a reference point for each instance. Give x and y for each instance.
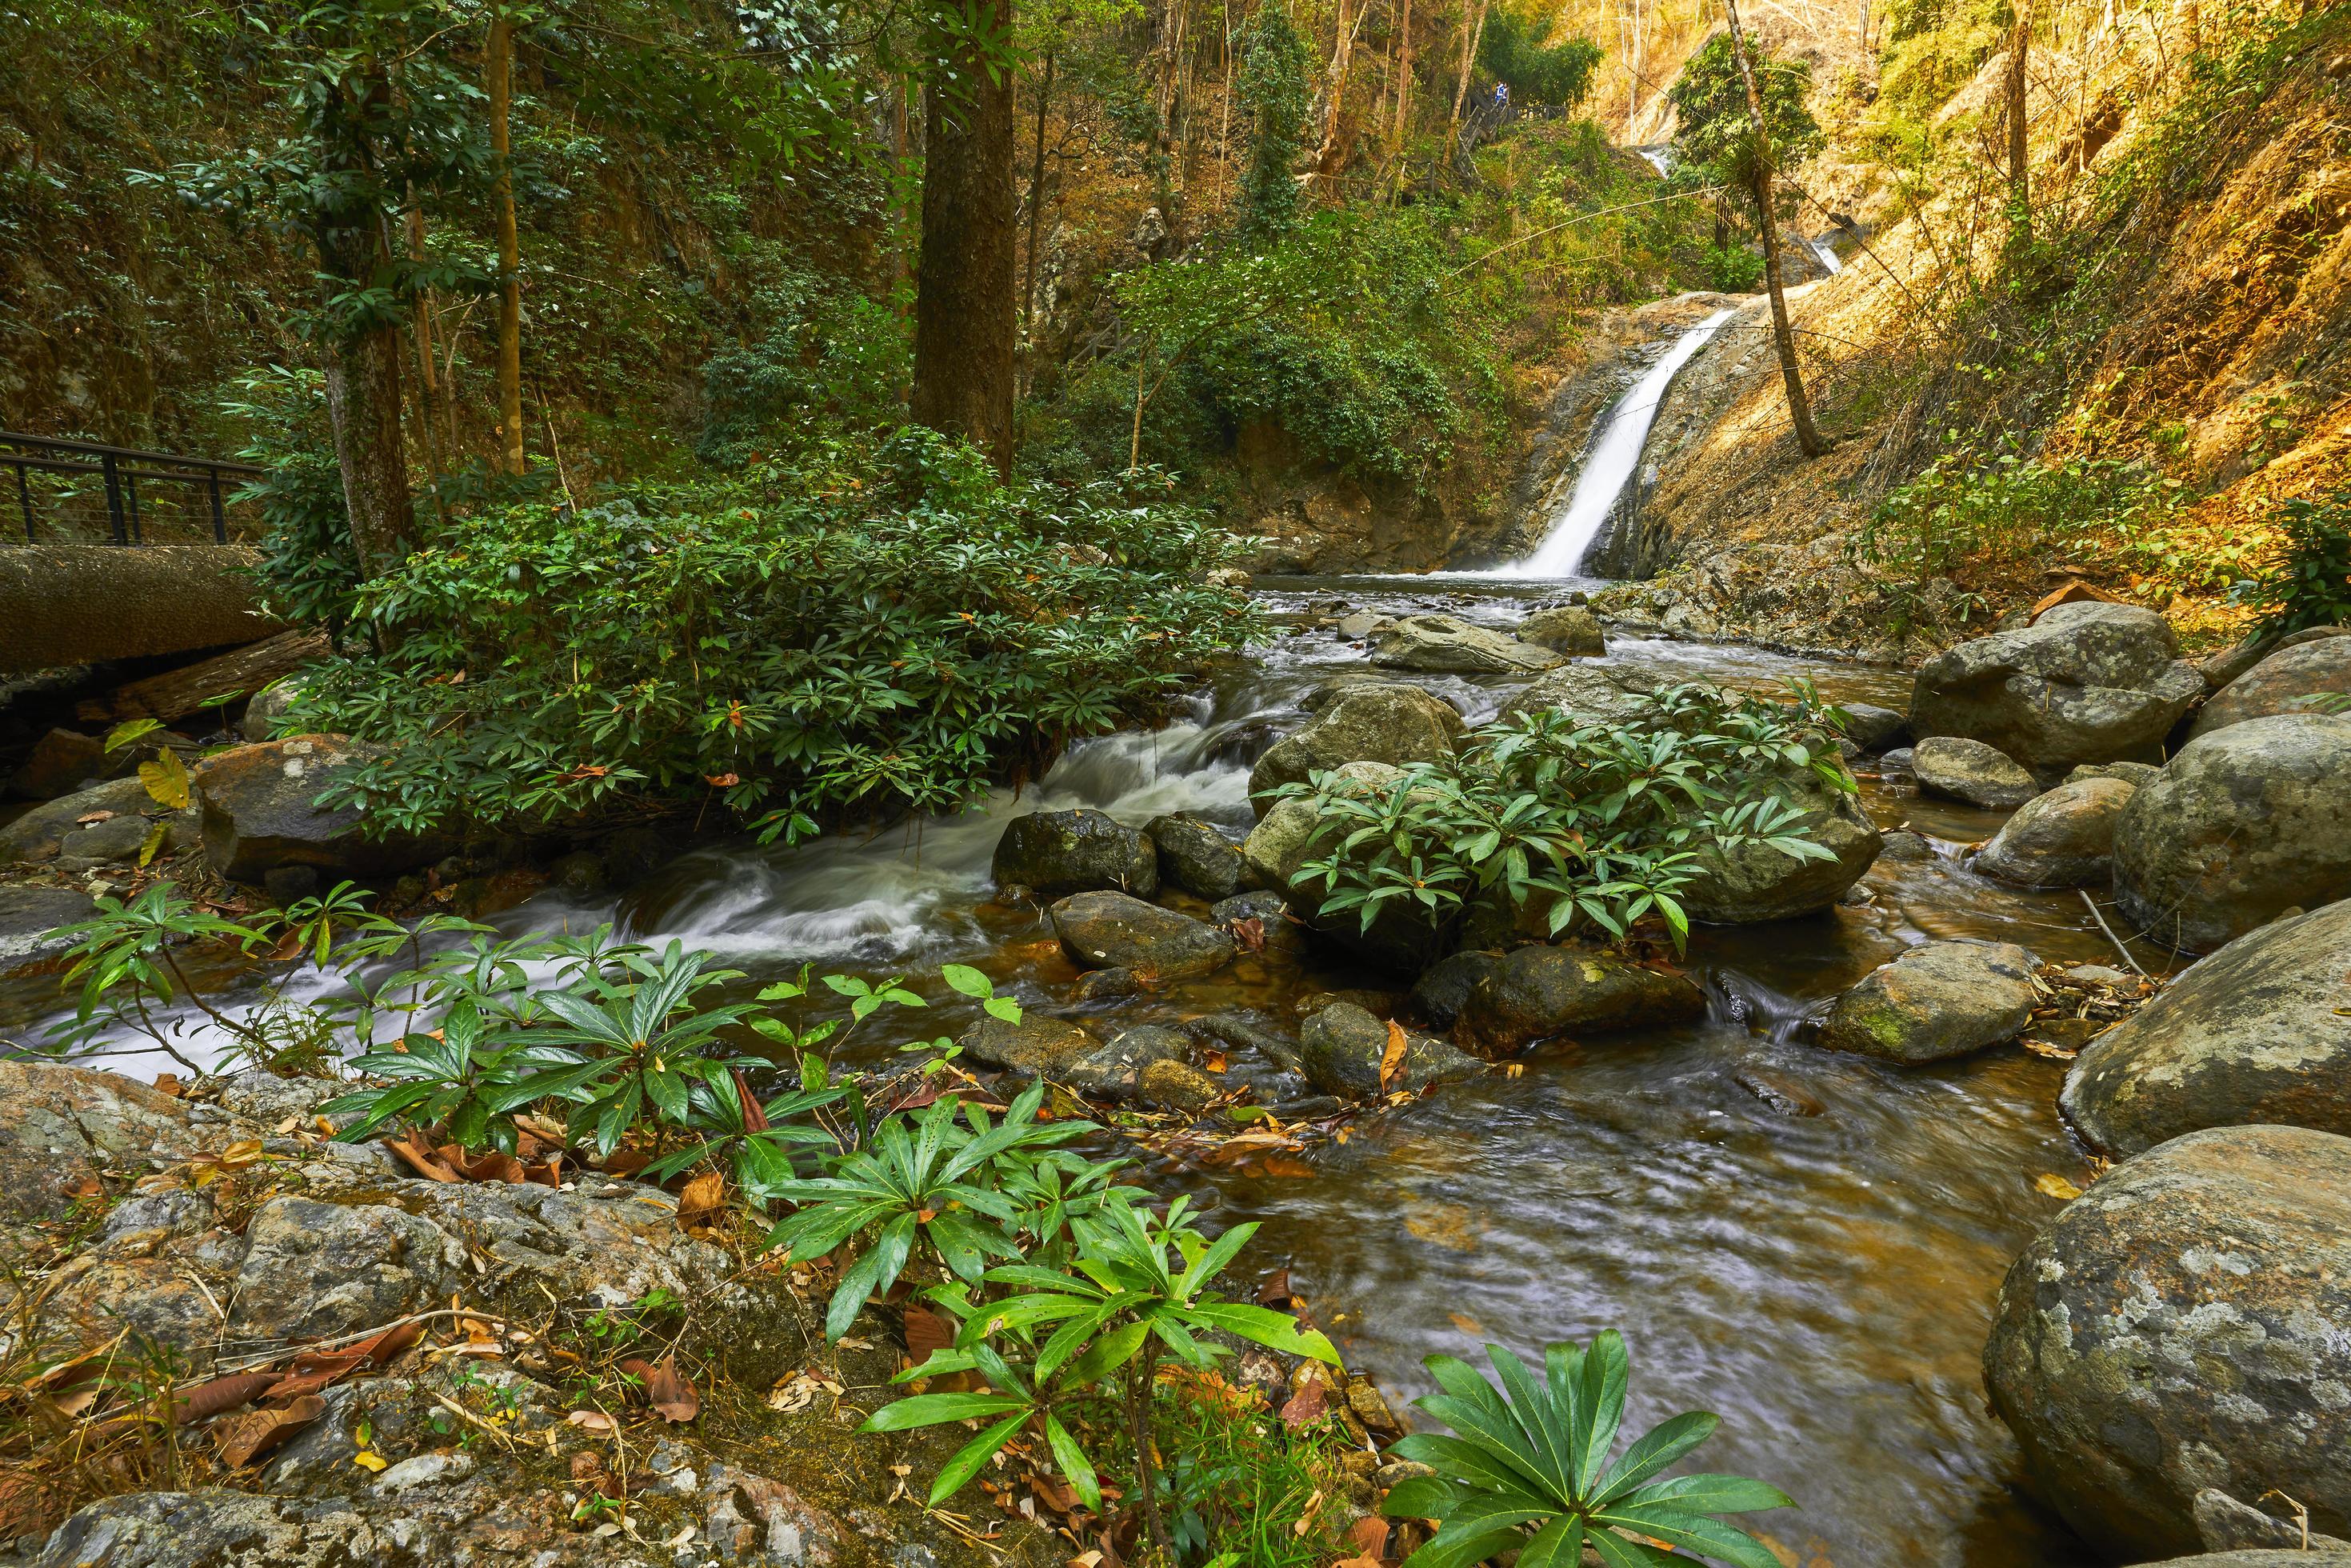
(1827, 258)
(1609, 465)
(1660, 157)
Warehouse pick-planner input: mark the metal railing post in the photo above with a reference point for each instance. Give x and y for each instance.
(131, 490)
(24, 500)
(220, 518)
(113, 498)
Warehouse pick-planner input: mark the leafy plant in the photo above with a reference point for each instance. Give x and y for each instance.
(457, 1077)
(1529, 1471)
(2310, 585)
(1514, 50)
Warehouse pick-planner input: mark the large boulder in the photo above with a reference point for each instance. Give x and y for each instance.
(2063, 839)
(2245, 823)
(2260, 1031)
(2293, 680)
(2184, 1325)
(1968, 770)
(1936, 1000)
(1343, 1045)
(1753, 882)
(1588, 693)
(1113, 931)
(1447, 645)
(1196, 857)
(1570, 629)
(1279, 846)
(1388, 722)
(2087, 683)
(1056, 853)
(1539, 993)
(1045, 1047)
(260, 811)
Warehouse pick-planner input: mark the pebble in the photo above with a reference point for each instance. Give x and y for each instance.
(422, 1470)
(2097, 975)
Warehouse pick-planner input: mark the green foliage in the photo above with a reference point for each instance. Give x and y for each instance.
(1528, 1471)
(1513, 51)
(1716, 130)
(2311, 583)
(831, 363)
(861, 637)
(1591, 825)
(1272, 91)
(1966, 510)
(1734, 268)
(308, 572)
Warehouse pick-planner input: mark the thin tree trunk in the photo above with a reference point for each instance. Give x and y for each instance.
(2020, 193)
(427, 382)
(363, 399)
(965, 326)
(1035, 195)
(1139, 1393)
(1343, 49)
(1404, 76)
(501, 91)
(1800, 410)
(1470, 34)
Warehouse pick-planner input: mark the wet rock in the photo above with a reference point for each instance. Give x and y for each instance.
(1873, 728)
(2179, 1326)
(1754, 882)
(1444, 988)
(1968, 770)
(268, 710)
(2260, 1031)
(1570, 629)
(1899, 760)
(2132, 773)
(1938, 1001)
(1113, 931)
(259, 812)
(1902, 844)
(1264, 905)
(1195, 856)
(1446, 643)
(1588, 693)
(2224, 1524)
(1177, 1086)
(2086, 682)
(2063, 839)
(1239, 1031)
(1056, 853)
(1392, 723)
(1046, 1047)
(1114, 1072)
(1783, 1095)
(1364, 623)
(1105, 985)
(1537, 993)
(56, 832)
(1342, 1047)
(27, 915)
(2292, 680)
(60, 1126)
(2245, 823)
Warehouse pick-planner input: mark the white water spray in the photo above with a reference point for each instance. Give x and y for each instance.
(1827, 258)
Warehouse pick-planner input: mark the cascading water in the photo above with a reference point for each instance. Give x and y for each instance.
(1824, 256)
(1609, 465)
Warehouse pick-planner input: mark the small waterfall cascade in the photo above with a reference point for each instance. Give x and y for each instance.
(1824, 256)
(1609, 465)
(1659, 156)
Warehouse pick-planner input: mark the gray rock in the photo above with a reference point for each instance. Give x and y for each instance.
(54, 832)
(2225, 667)
(1570, 629)
(1970, 770)
(2132, 773)
(1195, 856)
(1056, 853)
(1538, 993)
(1342, 1047)
(2292, 680)
(424, 1469)
(2088, 682)
(1046, 1047)
(2224, 1524)
(1901, 759)
(2260, 1031)
(1114, 1072)
(27, 915)
(2245, 823)
(1444, 988)
(1113, 931)
(2063, 839)
(1755, 882)
(1390, 722)
(1364, 623)
(1938, 1001)
(1240, 1031)
(313, 1268)
(1264, 905)
(1588, 693)
(1446, 643)
(2098, 975)
(2179, 1326)
(1902, 844)
(259, 811)
(1177, 1086)
(268, 709)
(60, 1126)
(1874, 728)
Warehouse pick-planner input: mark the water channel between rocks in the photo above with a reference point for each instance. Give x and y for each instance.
(1824, 1281)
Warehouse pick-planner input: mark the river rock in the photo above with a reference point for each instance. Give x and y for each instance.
(2179, 1326)
(2131, 773)
(55, 834)
(1113, 931)
(1177, 1086)
(1754, 882)
(2087, 683)
(1537, 993)
(259, 812)
(1447, 645)
(2063, 839)
(60, 1126)
(2245, 823)
(1196, 856)
(2225, 1524)
(2260, 1031)
(1389, 722)
(1342, 1047)
(1588, 693)
(1114, 1072)
(1570, 629)
(28, 913)
(2225, 667)
(1056, 853)
(1938, 1001)
(2292, 680)
(1044, 1047)
(1444, 988)
(1872, 729)
(1968, 770)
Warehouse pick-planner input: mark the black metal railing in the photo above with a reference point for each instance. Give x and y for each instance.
(80, 492)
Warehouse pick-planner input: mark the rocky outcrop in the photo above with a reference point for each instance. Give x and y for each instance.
(2087, 681)
(1588, 693)
(259, 811)
(107, 824)
(1056, 853)
(2260, 1031)
(1749, 882)
(1972, 771)
(2063, 839)
(2297, 679)
(1342, 1047)
(1447, 645)
(1113, 931)
(60, 1126)
(1391, 722)
(2179, 1326)
(1540, 993)
(1938, 1001)
(2245, 823)
(1114, 1072)
(1570, 629)
(1196, 857)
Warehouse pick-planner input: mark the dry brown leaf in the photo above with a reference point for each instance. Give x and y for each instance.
(209, 1399)
(256, 1432)
(1307, 1406)
(416, 1160)
(2055, 1186)
(1276, 1290)
(701, 1196)
(670, 1393)
(1392, 1058)
(1370, 1535)
(926, 1332)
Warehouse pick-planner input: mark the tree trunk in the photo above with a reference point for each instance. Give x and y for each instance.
(1471, 31)
(2020, 193)
(1404, 76)
(1343, 49)
(966, 331)
(427, 389)
(1800, 410)
(501, 90)
(1035, 195)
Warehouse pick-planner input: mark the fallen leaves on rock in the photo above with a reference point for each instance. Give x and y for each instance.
(2055, 1186)
(248, 1436)
(668, 1391)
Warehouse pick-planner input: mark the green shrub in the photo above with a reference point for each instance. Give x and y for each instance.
(2311, 583)
(832, 363)
(1513, 51)
(308, 572)
(2003, 511)
(799, 647)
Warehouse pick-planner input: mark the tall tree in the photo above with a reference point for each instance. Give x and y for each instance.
(500, 72)
(2020, 192)
(1273, 92)
(966, 334)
